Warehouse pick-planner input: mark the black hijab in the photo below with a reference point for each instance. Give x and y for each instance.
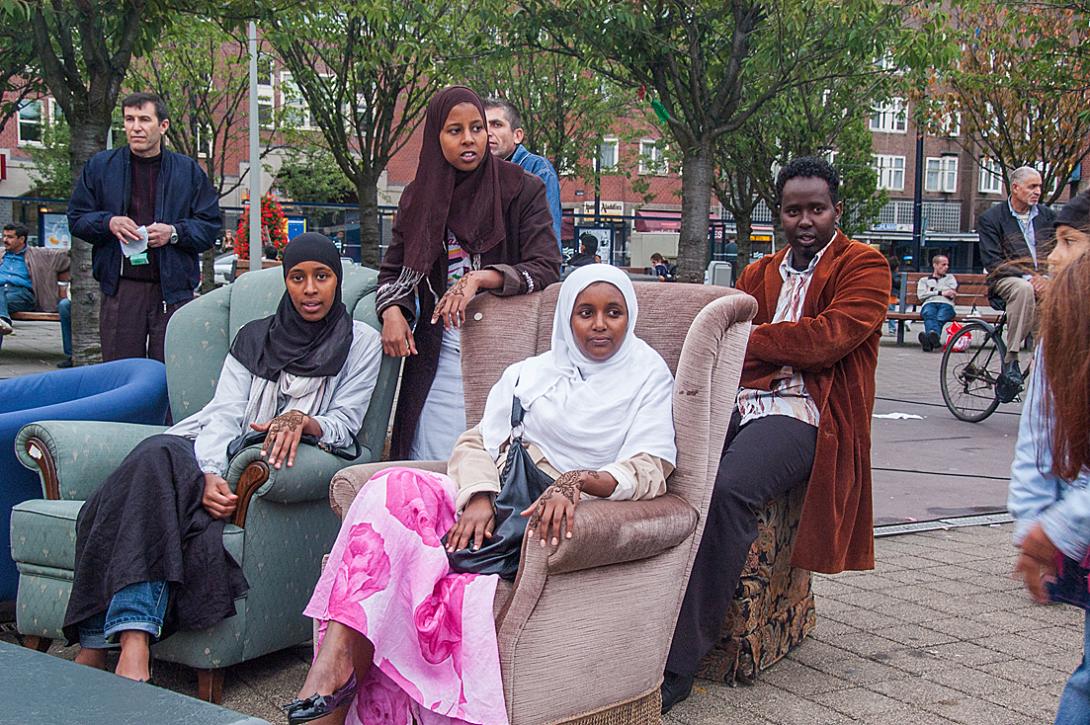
(285, 342)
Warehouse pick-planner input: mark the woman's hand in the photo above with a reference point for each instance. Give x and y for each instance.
(282, 436)
(477, 522)
(218, 500)
(554, 510)
(1037, 563)
(397, 336)
(452, 306)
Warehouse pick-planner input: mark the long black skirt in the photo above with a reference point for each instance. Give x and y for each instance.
(146, 523)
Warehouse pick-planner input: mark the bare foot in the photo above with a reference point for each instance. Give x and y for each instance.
(333, 665)
(91, 658)
(135, 660)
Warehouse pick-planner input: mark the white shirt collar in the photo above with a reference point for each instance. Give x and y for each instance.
(786, 268)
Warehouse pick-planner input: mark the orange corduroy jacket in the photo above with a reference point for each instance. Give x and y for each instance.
(835, 346)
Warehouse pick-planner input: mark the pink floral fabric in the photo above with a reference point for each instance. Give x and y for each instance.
(436, 657)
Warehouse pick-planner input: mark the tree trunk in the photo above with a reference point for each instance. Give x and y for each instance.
(87, 139)
(367, 196)
(743, 224)
(208, 271)
(696, 188)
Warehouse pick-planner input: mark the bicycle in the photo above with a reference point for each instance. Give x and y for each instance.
(972, 380)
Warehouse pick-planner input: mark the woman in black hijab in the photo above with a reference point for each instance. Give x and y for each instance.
(467, 222)
(149, 543)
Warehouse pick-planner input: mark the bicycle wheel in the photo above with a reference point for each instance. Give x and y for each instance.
(969, 375)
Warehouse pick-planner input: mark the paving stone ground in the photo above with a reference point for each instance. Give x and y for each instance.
(938, 633)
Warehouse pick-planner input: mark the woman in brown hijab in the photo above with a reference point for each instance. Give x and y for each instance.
(468, 222)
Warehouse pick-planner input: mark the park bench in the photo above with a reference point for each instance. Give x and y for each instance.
(36, 316)
(972, 292)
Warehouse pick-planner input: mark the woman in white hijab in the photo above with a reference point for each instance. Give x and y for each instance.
(598, 420)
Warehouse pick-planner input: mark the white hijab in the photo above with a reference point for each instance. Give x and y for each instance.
(581, 413)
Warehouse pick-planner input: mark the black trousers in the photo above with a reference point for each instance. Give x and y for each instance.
(133, 323)
(762, 460)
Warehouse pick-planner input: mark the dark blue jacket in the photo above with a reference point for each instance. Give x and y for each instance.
(184, 197)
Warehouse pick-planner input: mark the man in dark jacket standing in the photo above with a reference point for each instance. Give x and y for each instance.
(1013, 246)
(136, 196)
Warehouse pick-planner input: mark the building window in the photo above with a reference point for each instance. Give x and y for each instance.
(950, 125)
(205, 142)
(941, 174)
(607, 154)
(296, 110)
(651, 160)
(890, 117)
(31, 123)
(891, 172)
(991, 176)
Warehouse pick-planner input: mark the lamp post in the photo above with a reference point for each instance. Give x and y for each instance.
(256, 253)
(917, 203)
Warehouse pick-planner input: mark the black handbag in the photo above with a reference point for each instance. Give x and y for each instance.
(521, 483)
(256, 437)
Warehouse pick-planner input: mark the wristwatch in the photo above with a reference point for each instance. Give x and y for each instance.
(173, 234)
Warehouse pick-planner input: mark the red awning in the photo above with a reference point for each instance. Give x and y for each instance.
(658, 221)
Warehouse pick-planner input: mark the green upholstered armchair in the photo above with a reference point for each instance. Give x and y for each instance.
(283, 524)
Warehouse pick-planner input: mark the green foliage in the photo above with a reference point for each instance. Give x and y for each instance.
(52, 171)
(712, 67)
(566, 107)
(312, 175)
(858, 179)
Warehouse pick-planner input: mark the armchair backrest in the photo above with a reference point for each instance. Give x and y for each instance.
(199, 337)
(510, 329)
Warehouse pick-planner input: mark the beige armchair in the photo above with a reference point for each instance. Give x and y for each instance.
(585, 628)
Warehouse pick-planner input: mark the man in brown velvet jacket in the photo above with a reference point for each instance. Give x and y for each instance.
(802, 416)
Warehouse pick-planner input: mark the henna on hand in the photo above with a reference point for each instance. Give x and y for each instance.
(566, 485)
(287, 422)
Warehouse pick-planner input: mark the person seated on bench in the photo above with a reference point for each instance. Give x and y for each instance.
(802, 416)
(1010, 236)
(149, 542)
(937, 293)
(28, 282)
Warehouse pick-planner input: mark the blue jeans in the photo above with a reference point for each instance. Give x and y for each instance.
(1075, 700)
(14, 298)
(139, 607)
(64, 307)
(935, 315)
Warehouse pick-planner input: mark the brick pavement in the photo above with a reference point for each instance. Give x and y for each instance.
(938, 633)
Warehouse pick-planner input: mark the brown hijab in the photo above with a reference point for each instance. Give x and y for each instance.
(469, 203)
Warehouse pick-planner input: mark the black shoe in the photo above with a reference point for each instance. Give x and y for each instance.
(318, 706)
(936, 341)
(65, 363)
(1013, 373)
(925, 341)
(674, 689)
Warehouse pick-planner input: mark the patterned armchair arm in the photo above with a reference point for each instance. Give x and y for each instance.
(73, 457)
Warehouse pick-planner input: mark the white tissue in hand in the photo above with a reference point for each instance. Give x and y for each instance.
(137, 246)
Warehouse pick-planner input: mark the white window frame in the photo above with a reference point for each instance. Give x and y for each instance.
(991, 176)
(205, 142)
(40, 123)
(889, 117)
(941, 174)
(293, 103)
(616, 144)
(651, 158)
(891, 171)
(951, 124)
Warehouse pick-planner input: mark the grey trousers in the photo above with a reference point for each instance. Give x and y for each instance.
(762, 460)
(1021, 312)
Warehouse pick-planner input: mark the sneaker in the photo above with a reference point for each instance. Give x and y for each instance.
(936, 341)
(1013, 373)
(925, 341)
(5, 326)
(674, 689)
(65, 363)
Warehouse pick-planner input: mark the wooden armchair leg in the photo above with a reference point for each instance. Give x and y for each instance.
(210, 685)
(35, 642)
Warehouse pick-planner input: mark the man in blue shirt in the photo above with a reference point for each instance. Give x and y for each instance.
(505, 136)
(16, 289)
